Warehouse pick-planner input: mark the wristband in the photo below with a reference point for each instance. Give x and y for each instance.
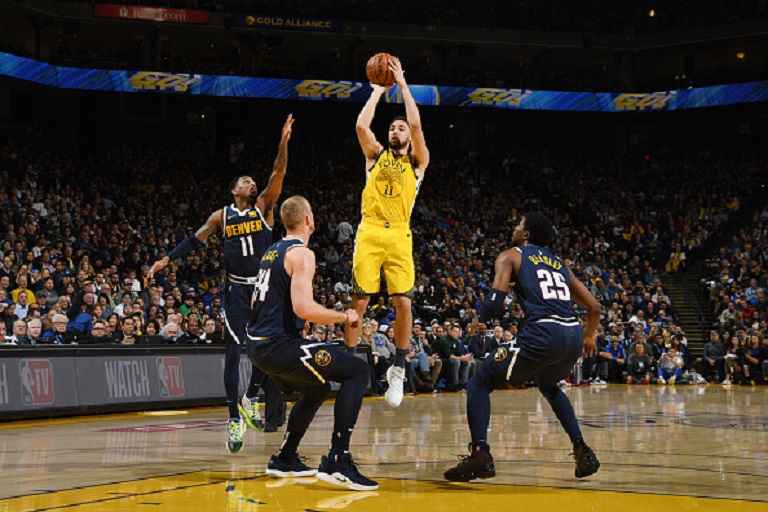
(494, 303)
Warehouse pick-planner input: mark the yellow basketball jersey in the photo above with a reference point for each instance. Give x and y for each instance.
(391, 188)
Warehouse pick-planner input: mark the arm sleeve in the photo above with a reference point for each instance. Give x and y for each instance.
(187, 245)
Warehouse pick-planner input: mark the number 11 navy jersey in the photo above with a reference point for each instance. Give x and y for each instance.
(543, 285)
(246, 238)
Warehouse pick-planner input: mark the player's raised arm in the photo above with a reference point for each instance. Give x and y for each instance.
(269, 196)
(300, 265)
(369, 144)
(583, 298)
(190, 243)
(419, 149)
(505, 266)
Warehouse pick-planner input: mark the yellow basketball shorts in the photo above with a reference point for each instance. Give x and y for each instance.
(377, 246)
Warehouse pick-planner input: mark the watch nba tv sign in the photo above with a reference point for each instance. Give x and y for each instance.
(170, 377)
(140, 13)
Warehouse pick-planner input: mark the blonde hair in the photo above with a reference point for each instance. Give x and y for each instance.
(293, 211)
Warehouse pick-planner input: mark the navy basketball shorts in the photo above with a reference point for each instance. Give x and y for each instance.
(296, 364)
(545, 350)
(237, 311)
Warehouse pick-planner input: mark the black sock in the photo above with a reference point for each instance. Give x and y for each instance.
(479, 446)
(579, 443)
(400, 357)
(234, 412)
(340, 442)
(254, 384)
(290, 446)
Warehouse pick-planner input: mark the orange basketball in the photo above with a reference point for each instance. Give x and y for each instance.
(378, 71)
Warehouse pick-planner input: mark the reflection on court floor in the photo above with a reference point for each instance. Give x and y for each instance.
(682, 449)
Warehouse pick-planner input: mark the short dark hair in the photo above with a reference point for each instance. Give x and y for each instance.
(400, 118)
(540, 228)
(235, 180)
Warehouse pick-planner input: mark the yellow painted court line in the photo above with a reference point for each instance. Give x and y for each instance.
(242, 491)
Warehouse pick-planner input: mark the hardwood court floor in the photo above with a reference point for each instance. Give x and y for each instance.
(673, 448)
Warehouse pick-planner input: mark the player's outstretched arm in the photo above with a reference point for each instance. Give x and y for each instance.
(190, 243)
(300, 265)
(505, 266)
(369, 144)
(269, 196)
(419, 149)
(583, 298)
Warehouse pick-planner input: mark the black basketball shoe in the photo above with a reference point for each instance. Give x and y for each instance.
(586, 461)
(479, 464)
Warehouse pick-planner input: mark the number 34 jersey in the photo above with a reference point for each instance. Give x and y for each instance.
(543, 285)
(273, 316)
(247, 236)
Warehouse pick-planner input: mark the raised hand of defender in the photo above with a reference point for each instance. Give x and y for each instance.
(286, 135)
(397, 70)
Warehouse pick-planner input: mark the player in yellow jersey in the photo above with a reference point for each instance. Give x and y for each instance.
(393, 177)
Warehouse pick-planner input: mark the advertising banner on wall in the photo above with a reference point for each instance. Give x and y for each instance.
(161, 82)
(141, 13)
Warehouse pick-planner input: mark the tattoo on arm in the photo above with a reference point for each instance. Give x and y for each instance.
(281, 162)
(205, 231)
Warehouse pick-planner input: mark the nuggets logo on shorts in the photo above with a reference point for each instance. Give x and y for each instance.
(389, 182)
(501, 354)
(323, 358)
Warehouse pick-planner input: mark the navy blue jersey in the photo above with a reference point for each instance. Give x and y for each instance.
(273, 315)
(246, 238)
(543, 285)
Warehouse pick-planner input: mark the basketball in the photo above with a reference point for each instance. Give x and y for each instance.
(378, 71)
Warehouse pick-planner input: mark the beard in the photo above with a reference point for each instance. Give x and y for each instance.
(397, 144)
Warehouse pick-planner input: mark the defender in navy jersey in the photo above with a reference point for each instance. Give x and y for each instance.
(547, 348)
(246, 229)
(282, 296)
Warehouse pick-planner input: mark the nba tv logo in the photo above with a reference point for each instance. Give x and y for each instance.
(36, 377)
(170, 377)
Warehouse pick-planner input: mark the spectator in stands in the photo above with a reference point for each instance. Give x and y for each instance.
(127, 333)
(170, 333)
(638, 366)
(481, 344)
(81, 320)
(681, 351)
(192, 334)
(733, 361)
(419, 359)
(209, 330)
(458, 367)
(713, 361)
(57, 334)
(34, 331)
(99, 332)
(22, 307)
(752, 361)
(615, 358)
(670, 367)
(152, 328)
(19, 335)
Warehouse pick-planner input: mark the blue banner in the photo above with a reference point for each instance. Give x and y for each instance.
(242, 19)
(323, 90)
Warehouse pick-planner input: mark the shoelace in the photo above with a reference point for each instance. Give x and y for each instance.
(234, 429)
